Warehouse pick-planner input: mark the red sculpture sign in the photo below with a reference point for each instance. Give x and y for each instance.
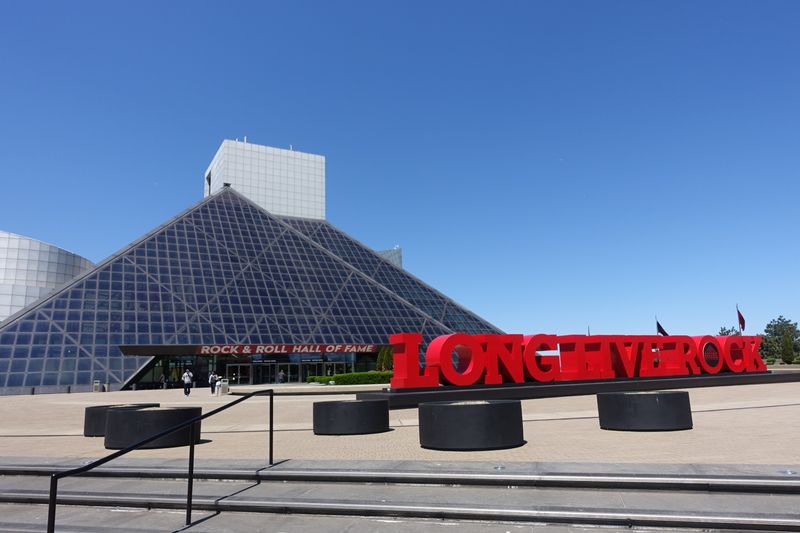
(461, 359)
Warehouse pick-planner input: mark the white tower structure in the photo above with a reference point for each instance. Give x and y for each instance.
(284, 182)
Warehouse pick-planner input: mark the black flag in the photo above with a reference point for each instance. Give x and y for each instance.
(660, 330)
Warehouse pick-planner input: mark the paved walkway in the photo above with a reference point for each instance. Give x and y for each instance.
(750, 424)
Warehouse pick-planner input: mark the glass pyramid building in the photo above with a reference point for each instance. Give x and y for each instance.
(223, 272)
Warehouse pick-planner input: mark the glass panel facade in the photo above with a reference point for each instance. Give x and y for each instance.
(224, 272)
(393, 277)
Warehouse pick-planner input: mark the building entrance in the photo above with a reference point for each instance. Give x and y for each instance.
(238, 374)
(337, 368)
(166, 370)
(279, 372)
(264, 373)
(295, 372)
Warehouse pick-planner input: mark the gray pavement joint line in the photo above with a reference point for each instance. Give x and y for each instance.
(694, 411)
(640, 481)
(205, 432)
(46, 435)
(402, 424)
(603, 517)
(15, 527)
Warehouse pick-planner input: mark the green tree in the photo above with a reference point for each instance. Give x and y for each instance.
(780, 335)
(727, 332)
(787, 348)
(385, 358)
(770, 348)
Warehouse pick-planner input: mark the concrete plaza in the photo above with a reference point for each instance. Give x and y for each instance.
(750, 424)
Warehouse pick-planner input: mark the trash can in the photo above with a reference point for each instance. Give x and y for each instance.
(96, 386)
(223, 387)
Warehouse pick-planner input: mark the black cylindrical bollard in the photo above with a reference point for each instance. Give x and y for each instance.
(351, 417)
(471, 425)
(94, 417)
(127, 427)
(644, 411)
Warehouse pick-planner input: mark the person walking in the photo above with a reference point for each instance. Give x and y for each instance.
(187, 382)
(212, 381)
(281, 376)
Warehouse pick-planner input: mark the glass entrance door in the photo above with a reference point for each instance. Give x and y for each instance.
(264, 373)
(287, 373)
(310, 369)
(238, 374)
(260, 373)
(337, 368)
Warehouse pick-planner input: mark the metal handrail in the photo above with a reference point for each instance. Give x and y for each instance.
(51, 512)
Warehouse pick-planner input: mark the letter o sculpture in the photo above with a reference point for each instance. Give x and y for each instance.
(471, 425)
(644, 411)
(351, 417)
(126, 427)
(94, 417)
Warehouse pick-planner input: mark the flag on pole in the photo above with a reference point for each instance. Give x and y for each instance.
(660, 330)
(741, 318)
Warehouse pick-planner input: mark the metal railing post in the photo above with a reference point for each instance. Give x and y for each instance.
(193, 427)
(271, 425)
(191, 475)
(51, 508)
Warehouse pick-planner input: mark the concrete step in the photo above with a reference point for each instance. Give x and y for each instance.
(607, 507)
(686, 482)
(73, 519)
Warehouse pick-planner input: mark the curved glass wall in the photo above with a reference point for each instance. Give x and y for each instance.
(31, 269)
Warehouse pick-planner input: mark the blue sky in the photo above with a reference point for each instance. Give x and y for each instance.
(550, 165)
